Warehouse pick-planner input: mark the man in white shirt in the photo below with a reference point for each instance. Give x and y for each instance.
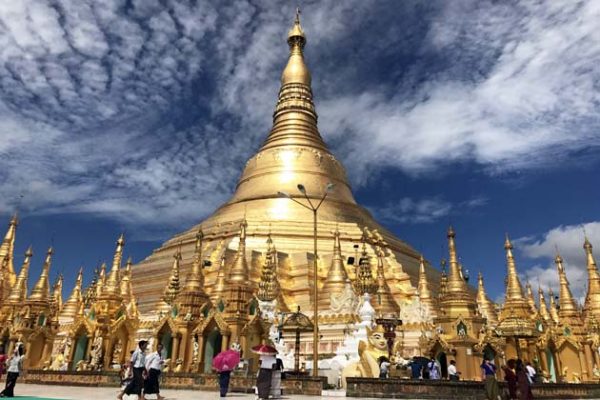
(154, 363)
(138, 363)
(15, 364)
(531, 373)
(452, 372)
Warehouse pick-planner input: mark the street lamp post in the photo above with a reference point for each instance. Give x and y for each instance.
(314, 209)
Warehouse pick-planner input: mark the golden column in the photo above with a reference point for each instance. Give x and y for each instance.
(314, 210)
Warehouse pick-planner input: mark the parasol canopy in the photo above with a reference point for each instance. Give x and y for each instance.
(264, 350)
(226, 360)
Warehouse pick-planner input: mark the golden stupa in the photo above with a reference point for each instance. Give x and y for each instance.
(293, 153)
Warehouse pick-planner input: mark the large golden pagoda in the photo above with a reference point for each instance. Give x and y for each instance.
(233, 277)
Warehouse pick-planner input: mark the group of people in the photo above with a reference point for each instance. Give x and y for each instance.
(432, 369)
(13, 366)
(141, 374)
(519, 377)
(268, 380)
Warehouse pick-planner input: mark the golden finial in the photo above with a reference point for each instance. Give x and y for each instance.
(75, 300)
(542, 305)
(41, 290)
(7, 248)
(19, 290)
(112, 286)
(591, 310)
(296, 34)
(296, 70)
(239, 270)
(425, 296)
(173, 286)
(514, 290)
(195, 280)
(488, 310)
(268, 287)
(568, 308)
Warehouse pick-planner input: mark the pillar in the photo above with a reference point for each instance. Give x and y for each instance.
(587, 348)
(544, 360)
(175, 353)
(225, 342)
(200, 353)
(47, 348)
(583, 365)
(184, 347)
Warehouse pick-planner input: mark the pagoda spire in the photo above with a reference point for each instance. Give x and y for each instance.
(127, 289)
(384, 301)
(487, 307)
(364, 277)
(18, 293)
(456, 284)
(221, 281)
(192, 296)
(41, 290)
(173, 286)
(514, 290)
(425, 296)
(457, 299)
(515, 316)
(57, 293)
(592, 298)
(73, 303)
(337, 275)
(7, 249)
(238, 273)
(112, 286)
(553, 311)
(195, 279)
(542, 305)
(268, 287)
(568, 308)
(101, 282)
(530, 298)
(443, 281)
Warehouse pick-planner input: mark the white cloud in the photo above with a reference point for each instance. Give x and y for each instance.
(424, 210)
(99, 100)
(533, 104)
(569, 240)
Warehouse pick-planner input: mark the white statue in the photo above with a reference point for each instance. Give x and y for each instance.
(196, 350)
(345, 302)
(96, 353)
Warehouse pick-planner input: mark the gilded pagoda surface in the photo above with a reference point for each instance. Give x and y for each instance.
(237, 276)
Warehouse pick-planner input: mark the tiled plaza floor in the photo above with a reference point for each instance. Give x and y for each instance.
(52, 392)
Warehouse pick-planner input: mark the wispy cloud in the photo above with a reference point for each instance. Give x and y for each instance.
(425, 210)
(569, 241)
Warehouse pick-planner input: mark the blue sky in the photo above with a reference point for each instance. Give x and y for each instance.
(138, 116)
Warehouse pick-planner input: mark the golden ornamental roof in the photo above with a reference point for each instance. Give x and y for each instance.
(424, 290)
(591, 307)
(73, 303)
(486, 306)
(41, 290)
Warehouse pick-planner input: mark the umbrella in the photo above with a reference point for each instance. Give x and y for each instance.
(264, 350)
(226, 360)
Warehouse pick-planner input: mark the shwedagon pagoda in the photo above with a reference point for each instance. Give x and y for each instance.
(237, 276)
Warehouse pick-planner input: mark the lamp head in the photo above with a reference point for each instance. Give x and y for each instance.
(301, 188)
(283, 194)
(330, 187)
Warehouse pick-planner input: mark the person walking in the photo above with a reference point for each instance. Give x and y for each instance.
(434, 369)
(154, 363)
(531, 372)
(15, 366)
(3, 359)
(415, 368)
(138, 363)
(523, 385)
(384, 367)
(511, 378)
(276, 379)
(265, 375)
(453, 373)
(488, 370)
